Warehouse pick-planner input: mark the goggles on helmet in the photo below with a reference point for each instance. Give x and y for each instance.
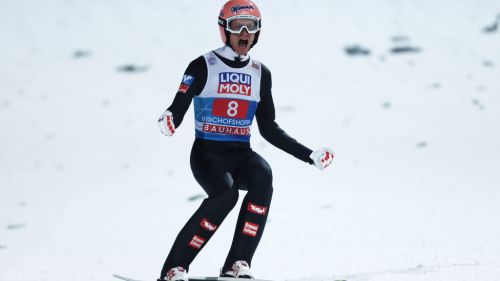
(236, 24)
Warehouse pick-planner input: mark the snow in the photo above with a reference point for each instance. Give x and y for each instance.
(89, 187)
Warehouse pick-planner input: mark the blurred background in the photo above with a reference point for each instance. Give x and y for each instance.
(407, 93)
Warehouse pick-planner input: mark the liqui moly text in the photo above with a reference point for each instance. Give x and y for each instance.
(235, 83)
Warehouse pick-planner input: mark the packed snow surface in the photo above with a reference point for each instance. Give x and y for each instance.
(407, 93)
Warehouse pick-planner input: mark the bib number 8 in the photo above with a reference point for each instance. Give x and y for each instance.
(232, 108)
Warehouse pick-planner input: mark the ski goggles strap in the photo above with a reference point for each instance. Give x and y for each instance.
(236, 24)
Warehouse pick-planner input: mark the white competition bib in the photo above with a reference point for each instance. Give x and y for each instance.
(225, 109)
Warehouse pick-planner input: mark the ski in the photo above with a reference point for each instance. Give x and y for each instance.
(221, 279)
(123, 278)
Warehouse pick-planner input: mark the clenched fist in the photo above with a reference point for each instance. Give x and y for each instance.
(166, 123)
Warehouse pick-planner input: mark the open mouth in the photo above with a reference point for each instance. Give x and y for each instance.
(242, 43)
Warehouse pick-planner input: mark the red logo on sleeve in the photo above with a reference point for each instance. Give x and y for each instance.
(183, 88)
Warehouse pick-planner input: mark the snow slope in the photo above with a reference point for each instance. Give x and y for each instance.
(89, 187)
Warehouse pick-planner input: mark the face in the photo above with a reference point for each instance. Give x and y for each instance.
(241, 42)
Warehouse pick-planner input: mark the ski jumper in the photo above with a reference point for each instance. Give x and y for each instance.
(227, 94)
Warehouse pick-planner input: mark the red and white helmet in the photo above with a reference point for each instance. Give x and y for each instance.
(238, 9)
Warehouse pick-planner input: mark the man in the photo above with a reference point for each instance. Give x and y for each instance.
(229, 89)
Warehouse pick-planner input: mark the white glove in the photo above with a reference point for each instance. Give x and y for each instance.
(166, 123)
(322, 157)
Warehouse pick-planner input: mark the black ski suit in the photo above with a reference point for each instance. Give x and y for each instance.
(223, 167)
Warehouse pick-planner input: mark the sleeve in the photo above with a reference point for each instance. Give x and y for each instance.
(268, 127)
(193, 82)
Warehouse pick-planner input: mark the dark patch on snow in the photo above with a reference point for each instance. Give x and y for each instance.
(287, 108)
(170, 173)
(44, 98)
(403, 45)
(128, 121)
(195, 197)
(347, 121)
(79, 54)
(15, 226)
(50, 136)
(481, 89)
(131, 68)
(493, 27)
(400, 38)
(105, 103)
(357, 50)
(436, 85)
(478, 104)
(59, 167)
(5, 104)
(22, 204)
(422, 144)
(3, 247)
(405, 50)
(488, 63)
(386, 105)
(125, 166)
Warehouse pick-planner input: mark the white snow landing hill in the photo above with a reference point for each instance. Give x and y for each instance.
(407, 94)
